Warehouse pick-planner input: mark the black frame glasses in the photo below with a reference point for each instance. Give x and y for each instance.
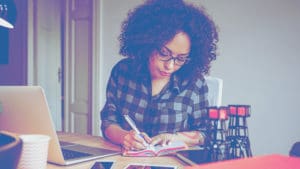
(165, 55)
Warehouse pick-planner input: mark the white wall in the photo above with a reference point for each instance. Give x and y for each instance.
(112, 14)
(258, 61)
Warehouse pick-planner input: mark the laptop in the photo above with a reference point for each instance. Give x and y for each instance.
(24, 110)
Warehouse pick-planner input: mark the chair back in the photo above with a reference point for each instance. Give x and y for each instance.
(215, 89)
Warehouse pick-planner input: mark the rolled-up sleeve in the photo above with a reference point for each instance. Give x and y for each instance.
(109, 114)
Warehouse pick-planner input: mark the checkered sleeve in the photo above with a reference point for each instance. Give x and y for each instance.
(109, 114)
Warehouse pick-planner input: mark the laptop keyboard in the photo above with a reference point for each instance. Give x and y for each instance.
(70, 154)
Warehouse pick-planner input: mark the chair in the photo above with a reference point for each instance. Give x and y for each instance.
(215, 88)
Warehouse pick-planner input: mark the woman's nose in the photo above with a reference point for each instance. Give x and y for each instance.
(169, 65)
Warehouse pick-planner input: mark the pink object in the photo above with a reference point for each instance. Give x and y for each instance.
(242, 111)
(223, 113)
(232, 110)
(274, 161)
(213, 113)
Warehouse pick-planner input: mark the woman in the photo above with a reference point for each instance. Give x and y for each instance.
(168, 46)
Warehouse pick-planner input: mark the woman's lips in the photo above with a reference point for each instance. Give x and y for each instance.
(165, 73)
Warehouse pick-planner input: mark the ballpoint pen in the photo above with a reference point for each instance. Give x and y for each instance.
(133, 126)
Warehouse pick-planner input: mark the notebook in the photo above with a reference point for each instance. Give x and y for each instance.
(157, 150)
(24, 110)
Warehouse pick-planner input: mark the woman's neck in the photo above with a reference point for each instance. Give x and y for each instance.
(158, 85)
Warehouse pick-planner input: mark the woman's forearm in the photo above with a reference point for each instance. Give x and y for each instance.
(116, 134)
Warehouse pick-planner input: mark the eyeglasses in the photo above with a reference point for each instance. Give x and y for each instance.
(165, 55)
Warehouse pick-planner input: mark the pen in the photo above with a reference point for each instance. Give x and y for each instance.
(133, 126)
(131, 123)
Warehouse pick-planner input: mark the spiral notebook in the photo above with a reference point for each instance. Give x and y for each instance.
(157, 150)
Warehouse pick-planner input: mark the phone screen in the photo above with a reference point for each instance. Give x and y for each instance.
(194, 156)
(102, 165)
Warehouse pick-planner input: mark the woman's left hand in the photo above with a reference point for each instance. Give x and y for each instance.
(162, 139)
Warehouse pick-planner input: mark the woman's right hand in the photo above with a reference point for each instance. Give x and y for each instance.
(134, 141)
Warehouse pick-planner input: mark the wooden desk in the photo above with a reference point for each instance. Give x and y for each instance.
(120, 161)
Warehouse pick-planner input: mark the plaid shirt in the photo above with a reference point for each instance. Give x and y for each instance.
(180, 106)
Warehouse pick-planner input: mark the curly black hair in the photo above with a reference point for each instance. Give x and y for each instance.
(153, 24)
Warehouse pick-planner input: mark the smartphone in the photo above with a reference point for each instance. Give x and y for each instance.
(102, 165)
(194, 156)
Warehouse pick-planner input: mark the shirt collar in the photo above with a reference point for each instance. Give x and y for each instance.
(175, 83)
